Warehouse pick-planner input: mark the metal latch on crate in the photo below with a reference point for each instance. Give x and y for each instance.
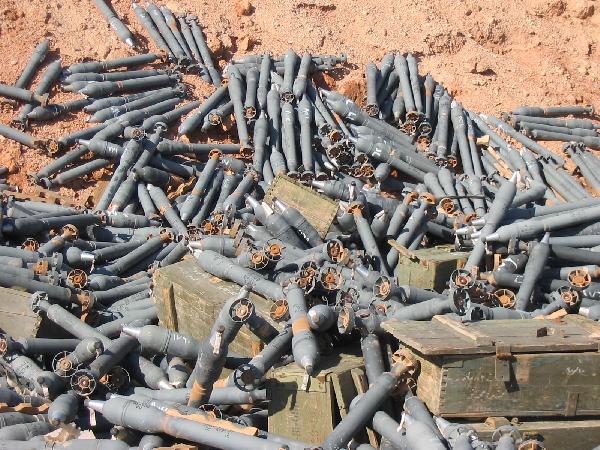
(503, 361)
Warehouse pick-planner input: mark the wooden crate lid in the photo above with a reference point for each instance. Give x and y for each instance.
(330, 365)
(16, 317)
(444, 336)
(318, 209)
(439, 253)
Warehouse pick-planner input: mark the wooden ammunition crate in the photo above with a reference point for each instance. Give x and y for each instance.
(318, 209)
(513, 368)
(189, 299)
(428, 268)
(310, 415)
(19, 321)
(556, 434)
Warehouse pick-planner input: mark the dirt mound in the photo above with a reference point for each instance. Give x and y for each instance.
(493, 56)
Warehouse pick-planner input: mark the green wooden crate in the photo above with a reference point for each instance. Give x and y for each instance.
(310, 415)
(428, 268)
(520, 368)
(556, 434)
(189, 299)
(19, 321)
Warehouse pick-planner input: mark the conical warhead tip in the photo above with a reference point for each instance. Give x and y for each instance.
(492, 237)
(463, 231)
(308, 364)
(95, 405)
(441, 423)
(407, 419)
(252, 202)
(279, 204)
(164, 384)
(132, 331)
(478, 222)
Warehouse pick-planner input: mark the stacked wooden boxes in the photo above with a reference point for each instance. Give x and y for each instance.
(524, 369)
(309, 414)
(189, 299)
(428, 268)
(19, 321)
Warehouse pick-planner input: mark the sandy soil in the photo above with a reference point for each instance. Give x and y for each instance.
(492, 56)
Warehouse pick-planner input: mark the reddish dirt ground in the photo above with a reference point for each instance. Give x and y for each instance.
(492, 56)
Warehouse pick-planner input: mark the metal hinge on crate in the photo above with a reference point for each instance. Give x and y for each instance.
(503, 361)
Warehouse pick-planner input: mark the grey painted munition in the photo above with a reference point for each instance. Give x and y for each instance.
(55, 110)
(173, 26)
(249, 376)
(535, 226)
(289, 65)
(497, 210)
(204, 50)
(24, 95)
(35, 61)
(85, 381)
(299, 85)
(105, 88)
(372, 107)
(64, 408)
(236, 90)
(554, 111)
(140, 416)
(149, 26)
(212, 352)
(167, 34)
(120, 29)
(304, 344)
(47, 81)
(305, 118)
(101, 66)
(299, 222)
(368, 405)
(533, 271)
(250, 98)
(288, 136)
(415, 83)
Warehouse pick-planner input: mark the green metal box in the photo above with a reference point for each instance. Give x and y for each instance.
(512, 368)
(428, 268)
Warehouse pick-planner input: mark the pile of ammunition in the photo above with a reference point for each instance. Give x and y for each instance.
(408, 169)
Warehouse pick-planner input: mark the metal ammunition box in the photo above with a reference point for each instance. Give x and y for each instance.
(310, 414)
(513, 368)
(428, 268)
(188, 300)
(318, 209)
(556, 434)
